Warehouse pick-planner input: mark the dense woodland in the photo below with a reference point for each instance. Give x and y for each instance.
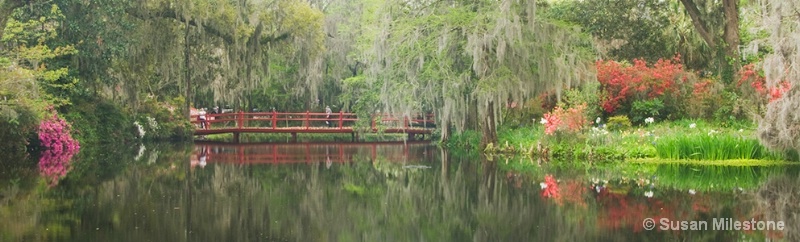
(105, 65)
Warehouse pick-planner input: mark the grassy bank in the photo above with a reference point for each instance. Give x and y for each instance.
(693, 140)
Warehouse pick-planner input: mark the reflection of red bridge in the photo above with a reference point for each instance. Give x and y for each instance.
(293, 123)
(284, 153)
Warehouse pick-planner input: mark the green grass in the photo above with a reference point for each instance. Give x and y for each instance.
(730, 162)
(712, 177)
(724, 146)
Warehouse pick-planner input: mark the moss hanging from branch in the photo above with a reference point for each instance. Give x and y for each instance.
(451, 57)
(779, 128)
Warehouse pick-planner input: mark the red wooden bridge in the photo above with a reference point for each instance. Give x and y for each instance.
(291, 153)
(308, 122)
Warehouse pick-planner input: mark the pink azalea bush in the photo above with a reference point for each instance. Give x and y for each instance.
(59, 147)
(569, 120)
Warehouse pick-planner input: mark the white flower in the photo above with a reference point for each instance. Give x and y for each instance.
(693, 125)
(649, 120)
(153, 123)
(692, 192)
(597, 121)
(712, 132)
(543, 185)
(648, 194)
(141, 152)
(141, 129)
(741, 130)
(596, 131)
(543, 121)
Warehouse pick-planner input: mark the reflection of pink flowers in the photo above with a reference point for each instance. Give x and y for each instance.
(54, 165)
(55, 138)
(550, 187)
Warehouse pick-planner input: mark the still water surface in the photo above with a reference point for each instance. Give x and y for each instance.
(374, 192)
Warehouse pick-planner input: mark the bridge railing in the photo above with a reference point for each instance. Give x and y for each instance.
(309, 120)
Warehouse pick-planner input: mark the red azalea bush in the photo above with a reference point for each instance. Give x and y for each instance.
(621, 84)
(758, 85)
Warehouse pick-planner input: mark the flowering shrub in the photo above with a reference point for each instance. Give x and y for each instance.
(620, 84)
(759, 86)
(54, 134)
(570, 120)
(55, 138)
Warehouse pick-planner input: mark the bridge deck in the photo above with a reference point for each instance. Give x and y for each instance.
(308, 122)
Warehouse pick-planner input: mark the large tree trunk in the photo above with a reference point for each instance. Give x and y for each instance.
(489, 130)
(445, 126)
(472, 120)
(731, 34)
(699, 24)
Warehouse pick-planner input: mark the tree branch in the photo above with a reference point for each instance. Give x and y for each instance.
(698, 23)
(229, 38)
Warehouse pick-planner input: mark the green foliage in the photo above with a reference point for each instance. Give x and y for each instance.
(642, 109)
(619, 122)
(162, 121)
(20, 120)
(525, 114)
(587, 94)
(362, 98)
(469, 140)
(24, 72)
(643, 21)
(87, 113)
(712, 146)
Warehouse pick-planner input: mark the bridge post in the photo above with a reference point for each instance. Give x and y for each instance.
(240, 120)
(340, 119)
(405, 122)
(274, 119)
(307, 121)
(373, 122)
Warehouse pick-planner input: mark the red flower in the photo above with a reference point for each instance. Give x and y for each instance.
(550, 189)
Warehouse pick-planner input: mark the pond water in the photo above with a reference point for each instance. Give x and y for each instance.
(384, 191)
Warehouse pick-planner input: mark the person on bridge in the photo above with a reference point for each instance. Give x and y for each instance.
(202, 117)
(327, 115)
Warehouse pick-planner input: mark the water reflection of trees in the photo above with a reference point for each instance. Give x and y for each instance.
(370, 199)
(777, 200)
